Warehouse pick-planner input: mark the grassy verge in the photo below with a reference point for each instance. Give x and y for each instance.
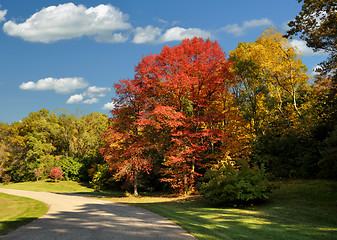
(296, 210)
(17, 211)
(50, 186)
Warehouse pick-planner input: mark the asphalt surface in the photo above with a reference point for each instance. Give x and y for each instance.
(76, 217)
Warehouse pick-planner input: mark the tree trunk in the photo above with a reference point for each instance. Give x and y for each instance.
(135, 184)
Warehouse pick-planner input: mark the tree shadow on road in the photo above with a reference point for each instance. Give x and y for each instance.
(100, 221)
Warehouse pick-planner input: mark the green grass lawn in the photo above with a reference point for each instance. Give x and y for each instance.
(17, 211)
(50, 186)
(305, 209)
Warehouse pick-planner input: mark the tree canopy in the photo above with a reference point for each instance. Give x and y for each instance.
(316, 24)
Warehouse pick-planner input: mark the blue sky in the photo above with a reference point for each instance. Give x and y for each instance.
(68, 55)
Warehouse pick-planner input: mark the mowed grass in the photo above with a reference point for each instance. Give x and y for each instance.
(17, 211)
(50, 186)
(303, 209)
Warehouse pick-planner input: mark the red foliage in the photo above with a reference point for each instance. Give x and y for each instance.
(175, 104)
(56, 173)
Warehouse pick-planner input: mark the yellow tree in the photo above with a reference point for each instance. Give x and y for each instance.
(283, 69)
(270, 76)
(273, 94)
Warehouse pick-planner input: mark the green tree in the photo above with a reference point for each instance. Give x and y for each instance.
(316, 24)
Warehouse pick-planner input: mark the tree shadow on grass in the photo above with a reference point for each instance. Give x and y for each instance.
(8, 226)
(266, 221)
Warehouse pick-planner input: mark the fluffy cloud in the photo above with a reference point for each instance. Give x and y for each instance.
(67, 21)
(104, 23)
(96, 92)
(91, 101)
(112, 38)
(178, 34)
(92, 93)
(304, 50)
(109, 106)
(146, 35)
(238, 30)
(75, 99)
(60, 85)
(153, 34)
(2, 15)
(79, 98)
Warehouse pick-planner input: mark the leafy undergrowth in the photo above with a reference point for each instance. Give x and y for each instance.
(17, 211)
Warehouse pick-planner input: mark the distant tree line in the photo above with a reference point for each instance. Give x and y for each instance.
(31, 148)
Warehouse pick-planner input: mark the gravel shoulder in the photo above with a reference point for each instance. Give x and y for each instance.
(76, 217)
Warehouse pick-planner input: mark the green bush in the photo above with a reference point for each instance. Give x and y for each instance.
(70, 167)
(100, 176)
(225, 183)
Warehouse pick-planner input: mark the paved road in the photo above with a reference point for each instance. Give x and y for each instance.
(74, 217)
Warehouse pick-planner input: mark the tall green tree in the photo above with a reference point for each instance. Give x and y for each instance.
(316, 24)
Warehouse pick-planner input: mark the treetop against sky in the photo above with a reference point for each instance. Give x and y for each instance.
(68, 55)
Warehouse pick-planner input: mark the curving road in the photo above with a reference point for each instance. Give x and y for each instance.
(74, 217)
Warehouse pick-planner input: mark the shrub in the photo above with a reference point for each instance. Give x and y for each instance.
(56, 173)
(99, 175)
(38, 174)
(6, 179)
(225, 183)
(70, 167)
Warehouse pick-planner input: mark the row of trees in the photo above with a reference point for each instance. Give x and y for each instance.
(190, 108)
(31, 148)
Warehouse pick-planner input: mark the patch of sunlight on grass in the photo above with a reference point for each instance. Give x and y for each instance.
(327, 229)
(255, 221)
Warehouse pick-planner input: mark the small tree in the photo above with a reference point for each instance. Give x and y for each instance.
(38, 173)
(56, 173)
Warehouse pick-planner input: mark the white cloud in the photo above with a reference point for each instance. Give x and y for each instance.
(238, 30)
(112, 38)
(153, 35)
(233, 29)
(304, 50)
(60, 85)
(75, 99)
(67, 21)
(146, 35)
(257, 23)
(2, 15)
(109, 106)
(96, 92)
(92, 93)
(178, 34)
(79, 99)
(91, 101)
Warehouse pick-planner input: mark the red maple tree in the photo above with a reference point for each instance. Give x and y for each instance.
(176, 105)
(56, 173)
